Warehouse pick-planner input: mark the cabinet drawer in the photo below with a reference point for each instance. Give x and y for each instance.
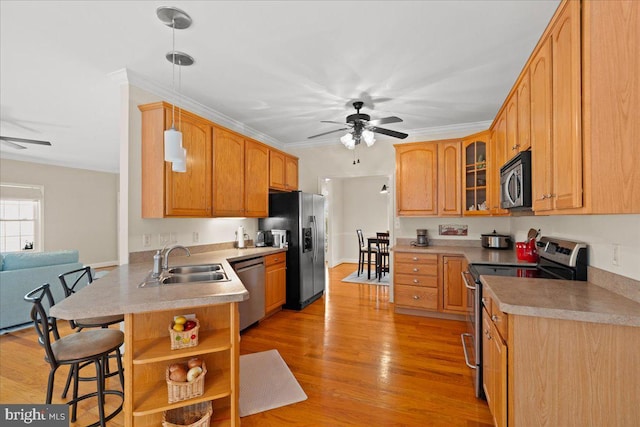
(417, 297)
(417, 269)
(498, 318)
(413, 257)
(414, 280)
(275, 258)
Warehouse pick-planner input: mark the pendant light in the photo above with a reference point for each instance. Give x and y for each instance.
(176, 19)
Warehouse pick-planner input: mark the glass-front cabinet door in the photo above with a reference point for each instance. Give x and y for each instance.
(475, 174)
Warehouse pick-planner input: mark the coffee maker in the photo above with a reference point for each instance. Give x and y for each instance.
(421, 238)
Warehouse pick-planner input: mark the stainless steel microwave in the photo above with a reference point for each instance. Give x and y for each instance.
(515, 182)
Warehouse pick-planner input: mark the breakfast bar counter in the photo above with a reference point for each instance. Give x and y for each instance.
(148, 316)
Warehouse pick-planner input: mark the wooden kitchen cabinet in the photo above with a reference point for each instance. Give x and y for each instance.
(494, 369)
(256, 188)
(172, 194)
(454, 291)
(149, 354)
(415, 278)
(524, 113)
(428, 178)
(497, 158)
(475, 152)
(275, 281)
(283, 171)
(511, 114)
(229, 172)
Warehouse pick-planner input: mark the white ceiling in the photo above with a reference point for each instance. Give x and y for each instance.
(277, 67)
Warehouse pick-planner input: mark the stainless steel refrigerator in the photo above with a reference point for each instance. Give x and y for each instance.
(302, 215)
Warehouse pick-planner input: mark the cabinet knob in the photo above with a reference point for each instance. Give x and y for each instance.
(495, 318)
(484, 300)
(415, 258)
(416, 297)
(416, 281)
(416, 270)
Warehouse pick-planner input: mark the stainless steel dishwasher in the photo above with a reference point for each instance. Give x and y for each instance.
(251, 273)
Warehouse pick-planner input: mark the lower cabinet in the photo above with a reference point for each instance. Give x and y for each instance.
(454, 290)
(275, 282)
(415, 278)
(494, 369)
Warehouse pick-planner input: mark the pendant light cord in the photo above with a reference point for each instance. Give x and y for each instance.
(173, 72)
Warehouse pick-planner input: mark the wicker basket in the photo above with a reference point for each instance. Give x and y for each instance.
(182, 416)
(184, 339)
(178, 391)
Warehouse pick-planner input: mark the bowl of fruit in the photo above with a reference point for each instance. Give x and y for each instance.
(183, 332)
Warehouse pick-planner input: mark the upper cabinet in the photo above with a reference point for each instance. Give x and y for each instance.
(497, 158)
(228, 173)
(283, 171)
(428, 178)
(256, 161)
(511, 112)
(524, 113)
(475, 152)
(171, 194)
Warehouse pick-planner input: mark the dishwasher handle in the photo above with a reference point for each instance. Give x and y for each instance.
(241, 266)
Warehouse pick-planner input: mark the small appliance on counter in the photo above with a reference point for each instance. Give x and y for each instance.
(496, 241)
(264, 238)
(527, 251)
(422, 238)
(279, 238)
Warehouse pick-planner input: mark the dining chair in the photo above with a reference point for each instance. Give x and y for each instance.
(382, 260)
(85, 347)
(69, 281)
(363, 250)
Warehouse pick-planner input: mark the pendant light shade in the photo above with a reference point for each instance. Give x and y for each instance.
(172, 145)
(368, 137)
(180, 165)
(348, 141)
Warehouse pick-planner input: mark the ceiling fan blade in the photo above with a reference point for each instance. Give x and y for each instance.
(329, 121)
(23, 140)
(13, 145)
(386, 120)
(327, 133)
(389, 132)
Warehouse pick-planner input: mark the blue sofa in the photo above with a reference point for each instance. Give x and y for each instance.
(21, 272)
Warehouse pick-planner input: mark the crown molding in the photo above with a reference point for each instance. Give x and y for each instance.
(126, 76)
(415, 135)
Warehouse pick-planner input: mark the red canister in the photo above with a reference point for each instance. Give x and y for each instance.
(526, 251)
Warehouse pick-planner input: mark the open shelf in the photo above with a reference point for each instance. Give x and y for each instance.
(159, 349)
(155, 399)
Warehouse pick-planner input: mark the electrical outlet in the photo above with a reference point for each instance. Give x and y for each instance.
(616, 254)
(146, 240)
(196, 237)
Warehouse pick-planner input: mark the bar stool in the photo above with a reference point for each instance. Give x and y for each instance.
(69, 281)
(75, 349)
(382, 262)
(364, 250)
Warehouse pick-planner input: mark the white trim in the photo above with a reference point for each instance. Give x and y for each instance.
(124, 75)
(103, 264)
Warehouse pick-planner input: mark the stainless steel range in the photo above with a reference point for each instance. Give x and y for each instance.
(559, 259)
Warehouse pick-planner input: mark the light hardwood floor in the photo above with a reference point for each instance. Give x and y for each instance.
(358, 362)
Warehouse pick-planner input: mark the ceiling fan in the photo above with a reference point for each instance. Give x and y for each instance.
(12, 142)
(361, 127)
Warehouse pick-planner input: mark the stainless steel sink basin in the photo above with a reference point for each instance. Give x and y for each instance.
(195, 277)
(191, 269)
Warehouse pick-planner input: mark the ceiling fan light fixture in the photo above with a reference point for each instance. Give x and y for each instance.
(348, 141)
(369, 138)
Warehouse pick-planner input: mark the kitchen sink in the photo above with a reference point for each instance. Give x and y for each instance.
(185, 274)
(200, 268)
(193, 278)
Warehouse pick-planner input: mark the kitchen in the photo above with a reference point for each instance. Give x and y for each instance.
(601, 232)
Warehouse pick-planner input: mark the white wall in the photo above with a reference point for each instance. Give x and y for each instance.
(80, 208)
(599, 231)
(210, 230)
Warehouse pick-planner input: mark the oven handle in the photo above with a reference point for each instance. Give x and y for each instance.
(466, 283)
(464, 348)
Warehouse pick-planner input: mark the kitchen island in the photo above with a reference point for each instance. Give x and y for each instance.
(572, 352)
(148, 315)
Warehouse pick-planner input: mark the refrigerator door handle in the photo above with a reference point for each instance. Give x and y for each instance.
(315, 236)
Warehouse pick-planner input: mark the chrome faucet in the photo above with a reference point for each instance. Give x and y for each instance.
(165, 265)
(159, 265)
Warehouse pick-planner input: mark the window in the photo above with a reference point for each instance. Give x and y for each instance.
(20, 218)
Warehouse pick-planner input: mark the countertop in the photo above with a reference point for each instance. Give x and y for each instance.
(561, 299)
(118, 291)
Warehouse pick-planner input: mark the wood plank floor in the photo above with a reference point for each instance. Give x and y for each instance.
(358, 362)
